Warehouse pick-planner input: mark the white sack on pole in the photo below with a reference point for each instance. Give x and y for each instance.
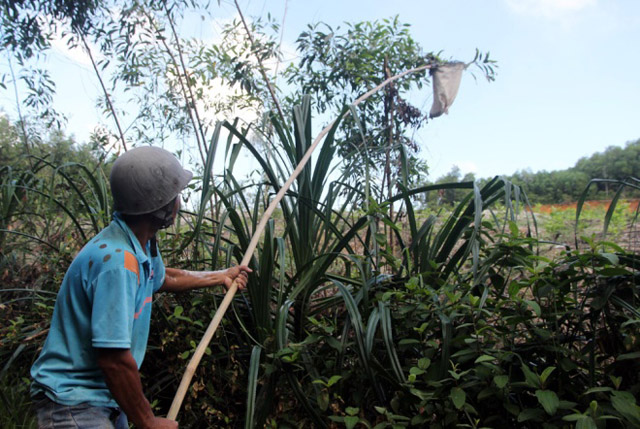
(446, 81)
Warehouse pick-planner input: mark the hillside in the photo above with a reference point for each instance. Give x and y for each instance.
(560, 186)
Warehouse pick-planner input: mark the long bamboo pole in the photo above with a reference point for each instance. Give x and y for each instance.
(213, 326)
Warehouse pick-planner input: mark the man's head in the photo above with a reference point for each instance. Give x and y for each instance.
(148, 181)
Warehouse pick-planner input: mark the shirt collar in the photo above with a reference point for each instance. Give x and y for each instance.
(140, 255)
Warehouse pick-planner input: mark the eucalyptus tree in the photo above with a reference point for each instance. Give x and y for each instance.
(158, 85)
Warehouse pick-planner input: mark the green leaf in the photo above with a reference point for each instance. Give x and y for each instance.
(574, 417)
(424, 396)
(512, 408)
(485, 358)
(612, 257)
(178, 311)
(549, 400)
(530, 414)
(625, 404)
(514, 288)
(323, 399)
(380, 410)
(613, 271)
(352, 411)
(485, 393)
(424, 363)
(333, 380)
(531, 378)
(416, 371)
(627, 356)
(513, 227)
(616, 381)
(567, 405)
(501, 380)
(458, 397)
(546, 373)
(534, 306)
(597, 390)
(351, 421)
(254, 368)
(586, 423)
(334, 343)
(408, 341)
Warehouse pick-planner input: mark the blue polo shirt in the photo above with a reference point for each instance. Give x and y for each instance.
(104, 302)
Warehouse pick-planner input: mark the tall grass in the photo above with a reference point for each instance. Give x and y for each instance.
(459, 321)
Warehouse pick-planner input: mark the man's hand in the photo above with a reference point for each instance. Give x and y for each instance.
(182, 280)
(123, 380)
(239, 274)
(122, 377)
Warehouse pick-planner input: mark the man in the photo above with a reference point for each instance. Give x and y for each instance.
(87, 373)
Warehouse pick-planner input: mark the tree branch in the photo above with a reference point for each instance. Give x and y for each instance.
(22, 124)
(262, 70)
(104, 90)
(191, 100)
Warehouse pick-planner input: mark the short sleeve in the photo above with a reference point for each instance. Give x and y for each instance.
(159, 273)
(113, 309)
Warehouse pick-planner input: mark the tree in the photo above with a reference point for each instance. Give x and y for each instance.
(29, 26)
(157, 85)
(336, 66)
(615, 163)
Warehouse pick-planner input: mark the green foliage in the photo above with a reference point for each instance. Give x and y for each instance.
(552, 187)
(614, 165)
(338, 65)
(15, 407)
(28, 27)
(50, 203)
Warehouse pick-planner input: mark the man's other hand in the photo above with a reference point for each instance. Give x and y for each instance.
(239, 274)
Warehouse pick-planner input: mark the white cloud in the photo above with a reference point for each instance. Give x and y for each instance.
(550, 9)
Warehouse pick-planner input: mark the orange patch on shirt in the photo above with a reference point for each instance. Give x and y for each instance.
(131, 264)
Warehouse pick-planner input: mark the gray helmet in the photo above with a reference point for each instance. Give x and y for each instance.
(146, 179)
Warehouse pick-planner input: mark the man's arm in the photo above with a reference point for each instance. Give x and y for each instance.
(176, 280)
(123, 380)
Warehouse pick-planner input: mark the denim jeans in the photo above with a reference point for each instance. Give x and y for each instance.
(52, 415)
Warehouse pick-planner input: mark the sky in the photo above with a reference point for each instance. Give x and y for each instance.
(567, 84)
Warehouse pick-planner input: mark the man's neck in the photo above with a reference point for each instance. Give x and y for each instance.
(143, 232)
